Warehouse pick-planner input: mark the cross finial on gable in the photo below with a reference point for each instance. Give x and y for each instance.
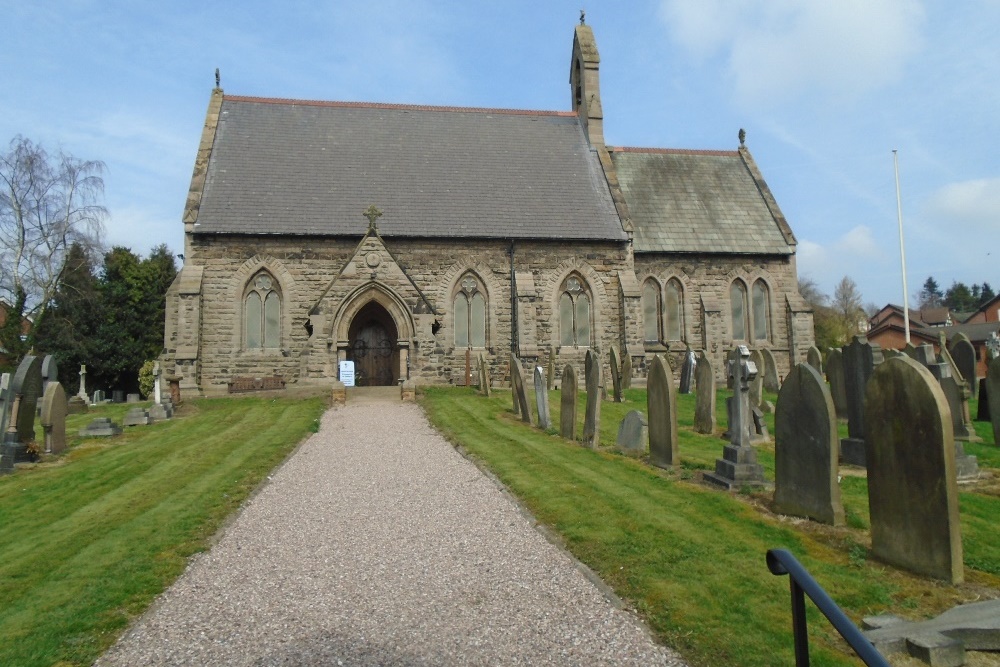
(583, 16)
(217, 79)
(373, 214)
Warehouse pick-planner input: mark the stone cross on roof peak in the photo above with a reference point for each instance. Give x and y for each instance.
(373, 214)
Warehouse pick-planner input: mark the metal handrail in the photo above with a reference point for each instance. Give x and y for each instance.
(781, 561)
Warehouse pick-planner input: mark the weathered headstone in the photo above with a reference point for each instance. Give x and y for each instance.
(633, 434)
(661, 407)
(25, 390)
(133, 398)
(99, 397)
(101, 427)
(983, 411)
(542, 399)
(912, 492)
(974, 626)
(513, 387)
(592, 416)
(117, 396)
(136, 417)
(550, 372)
(687, 371)
(83, 385)
(835, 376)
(567, 403)
(517, 386)
(892, 354)
(731, 356)
(50, 371)
(815, 359)
(616, 375)
(5, 399)
(757, 385)
(957, 394)
(157, 387)
(860, 358)
(626, 371)
(484, 375)
(993, 397)
(53, 419)
(704, 407)
(738, 466)
(159, 412)
(771, 381)
(964, 355)
(805, 449)
(759, 431)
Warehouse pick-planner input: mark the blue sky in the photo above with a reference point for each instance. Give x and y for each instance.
(825, 90)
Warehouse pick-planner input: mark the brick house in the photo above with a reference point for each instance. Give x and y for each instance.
(500, 230)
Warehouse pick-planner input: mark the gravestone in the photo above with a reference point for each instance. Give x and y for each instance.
(860, 358)
(157, 387)
(633, 434)
(993, 397)
(53, 419)
(83, 385)
(983, 411)
(661, 406)
(101, 427)
(616, 375)
(759, 432)
(137, 417)
(757, 386)
(964, 355)
(974, 627)
(805, 449)
(835, 376)
(133, 398)
(815, 359)
(771, 381)
(4, 403)
(98, 397)
(704, 407)
(567, 403)
(484, 375)
(542, 399)
(159, 412)
(25, 390)
(687, 371)
(517, 387)
(592, 416)
(956, 393)
(117, 396)
(626, 371)
(912, 492)
(891, 354)
(731, 356)
(50, 371)
(738, 466)
(550, 372)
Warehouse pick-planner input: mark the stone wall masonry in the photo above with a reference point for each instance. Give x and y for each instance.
(306, 270)
(706, 280)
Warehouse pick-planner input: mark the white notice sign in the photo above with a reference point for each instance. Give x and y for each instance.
(347, 373)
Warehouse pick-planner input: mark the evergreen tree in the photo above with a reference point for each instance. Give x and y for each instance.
(930, 295)
(959, 298)
(10, 333)
(986, 293)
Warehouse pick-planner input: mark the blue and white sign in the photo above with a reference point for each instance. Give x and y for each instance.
(347, 373)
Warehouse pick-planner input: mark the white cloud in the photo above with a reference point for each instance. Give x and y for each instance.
(855, 253)
(778, 49)
(970, 205)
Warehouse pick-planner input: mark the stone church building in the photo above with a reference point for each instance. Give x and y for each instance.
(500, 230)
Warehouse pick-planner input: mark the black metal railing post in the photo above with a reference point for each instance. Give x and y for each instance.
(781, 561)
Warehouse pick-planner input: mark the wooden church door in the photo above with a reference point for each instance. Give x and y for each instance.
(372, 354)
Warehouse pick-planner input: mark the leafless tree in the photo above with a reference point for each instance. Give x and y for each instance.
(849, 307)
(46, 204)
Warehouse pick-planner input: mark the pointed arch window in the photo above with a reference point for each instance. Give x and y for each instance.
(470, 313)
(262, 313)
(574, 313)
(761, 311)
(652, 312)
(674, 310)
(738, 302)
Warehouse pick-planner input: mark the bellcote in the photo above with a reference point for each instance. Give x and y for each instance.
(585, 86)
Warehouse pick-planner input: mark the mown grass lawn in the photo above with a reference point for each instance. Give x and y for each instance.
(88, 539)
(691, 559)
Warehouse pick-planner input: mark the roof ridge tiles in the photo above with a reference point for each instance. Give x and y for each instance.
(673, 151)
(401, 107)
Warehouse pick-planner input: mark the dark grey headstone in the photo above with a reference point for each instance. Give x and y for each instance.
(53, 417)
(567, 403)
(25, 391)
(616, 375)
(756, 393)
(626, 371)
(517, 387)
(50, 371)
(592, 417)
(860, 358)
(912, 492)
(964, 355)
(815, 359)
(542, 399)
(117, 396)
(983, 411)
(633, 434)
(805, 449)
(550, 371)
(661, 406)
(5, 400)
(993, 397)
(770, 371)
(835, 376)
(484, 375)
(704, 407)
(687, 372)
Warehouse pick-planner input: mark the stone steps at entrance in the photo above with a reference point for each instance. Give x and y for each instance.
(364, 394)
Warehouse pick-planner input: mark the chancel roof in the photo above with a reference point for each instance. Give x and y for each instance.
(312, 168)
(699, 201)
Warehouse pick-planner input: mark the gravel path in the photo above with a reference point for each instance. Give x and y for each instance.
(378, 544)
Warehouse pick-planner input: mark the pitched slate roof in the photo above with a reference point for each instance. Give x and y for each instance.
(699, 201)
(312, 168)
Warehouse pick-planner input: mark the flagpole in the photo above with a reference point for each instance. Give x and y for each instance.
(902, 250)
